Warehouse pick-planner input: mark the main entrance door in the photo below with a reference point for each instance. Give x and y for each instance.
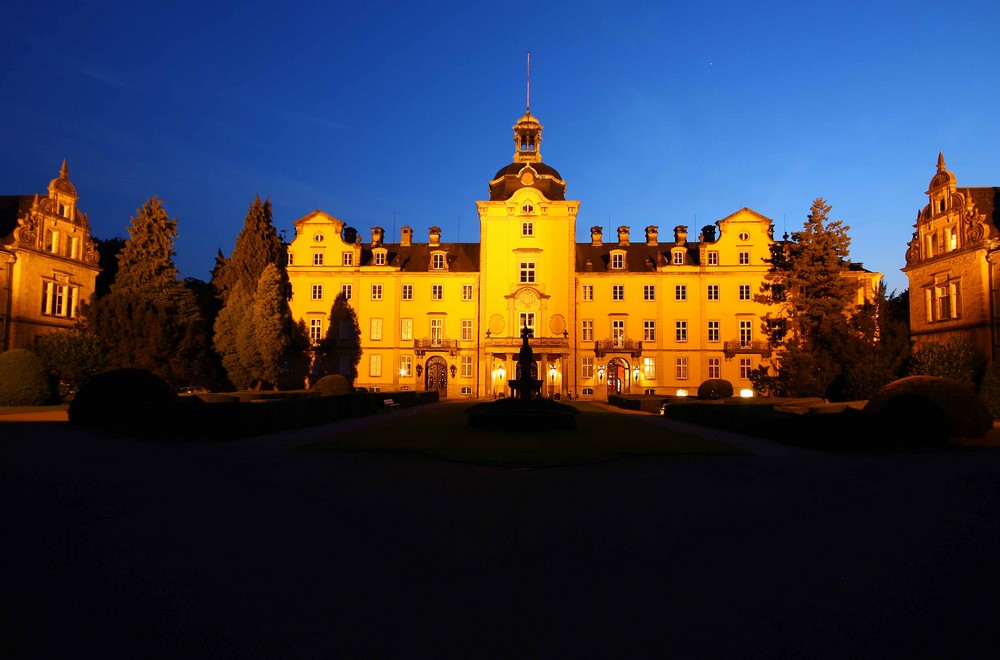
(617, 376)
(436, 377)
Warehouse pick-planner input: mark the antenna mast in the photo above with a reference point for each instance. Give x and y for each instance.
(528, 97)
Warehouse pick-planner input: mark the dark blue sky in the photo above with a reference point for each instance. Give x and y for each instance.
(654, 113)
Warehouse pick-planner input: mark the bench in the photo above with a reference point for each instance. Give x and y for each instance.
(390, 404)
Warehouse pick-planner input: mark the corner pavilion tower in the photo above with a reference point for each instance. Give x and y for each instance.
(618, 317)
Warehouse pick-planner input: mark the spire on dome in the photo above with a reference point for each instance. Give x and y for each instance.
(64, 171)
(940, 164)
(527, 130)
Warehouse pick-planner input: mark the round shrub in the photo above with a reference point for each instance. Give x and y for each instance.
(24, 381)
(333, 384)
(930, 409)
(111, 397)
(715, 388)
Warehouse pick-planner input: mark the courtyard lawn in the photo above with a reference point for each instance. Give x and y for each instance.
(600, 435)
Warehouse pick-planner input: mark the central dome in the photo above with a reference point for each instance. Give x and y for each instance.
(539, 176)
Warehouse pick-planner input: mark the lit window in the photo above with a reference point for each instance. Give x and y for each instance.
(437, 291)
(467, 366)
(680, 292)
(587, 391)
(618, 261)
(405, 329)
(437, 261)
(587, 331)
(406, 366)
(437, 332)
(59, 300)
(618, 332)
(746, 364)
(714, 368)
(527, 229)
(315, 330)
(649, 330)
(317, 292)
(376, 327)
(466, 292)
(407, 292)
(681, 368)
(587, 368)
(713, 331)
(51, 241)
(648, 292)
(681, 330)
(713, 258)
(375, 365)
(347, 259)
(744, 257)
(649, 368)
(317, 258)
(618, 292)
(588, 291)
(713, 291)
(380, 258)
(744, 292)
(347, 290)
(467, 329)
(527, 272)
(376, 292)
(678, 258)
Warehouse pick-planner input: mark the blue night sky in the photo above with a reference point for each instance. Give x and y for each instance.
(392, 113)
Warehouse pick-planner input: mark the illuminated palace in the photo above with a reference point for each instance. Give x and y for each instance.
(951, 264)
(630, 313)
(48, 263)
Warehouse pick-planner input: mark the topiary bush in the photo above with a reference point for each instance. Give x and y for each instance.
(930, 409)
(24, 380)
(113, 397)
(333, 385)
(715, 388)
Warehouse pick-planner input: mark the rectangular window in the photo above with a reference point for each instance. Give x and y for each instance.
(526, 319)
(51, 241)
(680, 330)
(527, 272)
(744, 292)
(714, 368)
(527, 228)
(466, 292)
(375, 365)
(317, 258)
(407, 292)
(466, 329)
(437, 331)
(746, 364)
(681, 368)
(74, 247)
(437, 291)
(437, 261)
(618, 292)
(649, 368)
(380, 258)
(466, 366)
(680, 292)
(713, 291)
(649, 330)
(744, 257)
(713, 258)
(376, 329)
(288, 260)
(587, 330)
(406, 329)
(347, 290)
(376, 292)
(317, 292)
(406, 366)
(678, 258)
(588, 291)
(59, 300)
(713, 331)
(587, 368)
(746, 333)
(618, 331)
(618, 261)
(649, 292)
(347, 258)
(315, 330)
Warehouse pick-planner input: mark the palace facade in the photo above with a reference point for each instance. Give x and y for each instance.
(48, 263)
(951, 264)
(631, 313)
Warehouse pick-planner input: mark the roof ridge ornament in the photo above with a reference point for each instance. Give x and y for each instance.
(64, 171)
(940, 163)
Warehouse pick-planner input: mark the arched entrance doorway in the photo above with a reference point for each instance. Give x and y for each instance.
(436, 375)
(617, 377)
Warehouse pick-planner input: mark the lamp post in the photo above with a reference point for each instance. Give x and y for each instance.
(552, 380)
(635, 374)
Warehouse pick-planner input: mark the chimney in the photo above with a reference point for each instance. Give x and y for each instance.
(595, 235)
(623, 235)
(652, 231)
(680, 234)
(435, 236)
(406, 236)
(378, 234)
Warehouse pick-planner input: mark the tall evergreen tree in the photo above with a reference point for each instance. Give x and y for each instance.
(233, 317)
(271, 322)
(146, 260)
(257, 245)
(341, 348)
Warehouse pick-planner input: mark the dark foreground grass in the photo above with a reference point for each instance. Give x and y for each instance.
(600, 435)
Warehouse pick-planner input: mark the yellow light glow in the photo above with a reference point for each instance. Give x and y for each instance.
(746, 393)
(682, 392)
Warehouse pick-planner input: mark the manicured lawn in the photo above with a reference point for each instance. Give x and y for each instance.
(600, 435)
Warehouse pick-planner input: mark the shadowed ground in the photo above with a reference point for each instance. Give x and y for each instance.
(255, 548)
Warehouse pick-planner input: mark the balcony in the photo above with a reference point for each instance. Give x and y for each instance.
(435, 344)
(618, 345)
(737, 346)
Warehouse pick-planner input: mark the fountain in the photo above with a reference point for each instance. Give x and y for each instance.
(525, 410)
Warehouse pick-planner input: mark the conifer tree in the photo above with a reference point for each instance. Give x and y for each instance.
(341, 348)
(257, 245)
(271, 322)
(233, 317)
(146, 260)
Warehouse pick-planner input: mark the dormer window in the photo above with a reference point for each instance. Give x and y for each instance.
(617, 261)
(380, 258)
(437, 261)
(678, 257)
